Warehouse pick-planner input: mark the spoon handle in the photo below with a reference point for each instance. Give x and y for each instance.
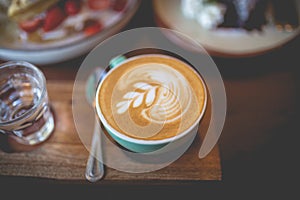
(94, 167)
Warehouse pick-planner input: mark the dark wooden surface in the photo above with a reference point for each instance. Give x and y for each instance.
(63, 156)
(258, 146)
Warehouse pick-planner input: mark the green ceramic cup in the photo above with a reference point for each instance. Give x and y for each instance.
(141, 145)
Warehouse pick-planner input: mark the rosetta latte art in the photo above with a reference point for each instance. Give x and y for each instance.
(151, 97)
(159, 92)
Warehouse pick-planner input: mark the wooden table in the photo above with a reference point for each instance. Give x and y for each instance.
(63, 156)
(258, 144)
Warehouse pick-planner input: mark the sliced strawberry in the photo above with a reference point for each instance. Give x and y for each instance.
(54, 17)
(119, 5)
(31, 25)
(72, 7)
(99, 4)
(93, 28)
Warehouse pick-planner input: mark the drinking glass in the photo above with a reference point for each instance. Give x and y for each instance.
(25, 113)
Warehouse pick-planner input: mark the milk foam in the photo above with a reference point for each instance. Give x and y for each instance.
(151, 97)
(161, 93)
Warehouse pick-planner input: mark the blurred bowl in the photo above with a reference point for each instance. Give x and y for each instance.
(12, 48)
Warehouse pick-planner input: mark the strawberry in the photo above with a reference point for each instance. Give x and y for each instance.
(119, 5)
(31, 25)
(54, 17)
(93, 28)
(72, 7)
(98, 4)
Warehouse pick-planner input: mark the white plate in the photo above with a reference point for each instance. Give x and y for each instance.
(54, 52)
(224, 42)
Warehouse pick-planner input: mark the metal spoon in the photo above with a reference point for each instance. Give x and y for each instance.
(94, 167)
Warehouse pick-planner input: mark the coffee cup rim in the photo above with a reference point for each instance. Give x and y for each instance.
(143, 141)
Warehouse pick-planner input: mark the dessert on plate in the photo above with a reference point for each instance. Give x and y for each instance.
(41, 21)
(211, 14)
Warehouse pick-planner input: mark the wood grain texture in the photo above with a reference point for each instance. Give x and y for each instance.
(63, 156)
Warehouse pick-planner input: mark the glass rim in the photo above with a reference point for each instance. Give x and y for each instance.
(43, 93)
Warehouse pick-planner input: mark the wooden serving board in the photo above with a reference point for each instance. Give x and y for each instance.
(63, 156)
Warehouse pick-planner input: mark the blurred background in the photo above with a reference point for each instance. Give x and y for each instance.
(259, 140)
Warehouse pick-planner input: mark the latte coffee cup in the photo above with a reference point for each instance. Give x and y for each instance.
(148, 101)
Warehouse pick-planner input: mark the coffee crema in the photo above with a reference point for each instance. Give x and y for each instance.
(151, 97)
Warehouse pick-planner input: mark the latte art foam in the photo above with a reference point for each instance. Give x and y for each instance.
(162, 92)
(151, 97)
